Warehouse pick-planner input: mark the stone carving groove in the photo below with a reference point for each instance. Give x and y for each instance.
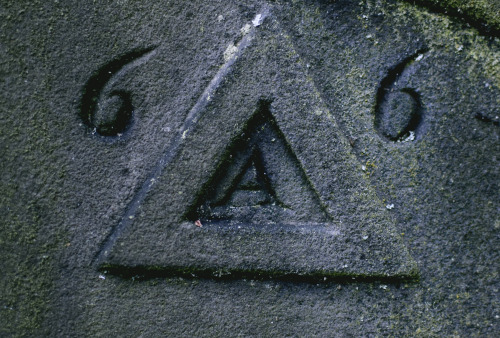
(107, 111)
(250, 186)
(399, 110)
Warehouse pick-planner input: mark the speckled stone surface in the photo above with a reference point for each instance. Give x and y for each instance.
(282, 168)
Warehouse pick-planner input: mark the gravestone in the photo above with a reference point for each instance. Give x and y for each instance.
(304, 168)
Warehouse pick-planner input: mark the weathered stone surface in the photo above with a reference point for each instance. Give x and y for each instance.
(483, 14)
(373, 212)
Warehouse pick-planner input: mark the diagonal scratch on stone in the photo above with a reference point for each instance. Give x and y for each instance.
(248, 31)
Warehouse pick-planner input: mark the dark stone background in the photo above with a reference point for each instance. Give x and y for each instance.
(63, 188)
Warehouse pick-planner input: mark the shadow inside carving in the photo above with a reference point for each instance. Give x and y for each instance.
(259, 181)
(484, 118)
(398, 109)
(144, 273)
(469, 17)
(109, 112)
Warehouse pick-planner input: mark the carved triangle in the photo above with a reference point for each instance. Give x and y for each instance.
(260, 216)
(313, 214)
(259, 181)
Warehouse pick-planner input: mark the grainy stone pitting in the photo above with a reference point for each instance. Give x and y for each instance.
(303, 168)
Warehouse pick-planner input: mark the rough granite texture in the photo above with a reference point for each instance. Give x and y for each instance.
(391, 110)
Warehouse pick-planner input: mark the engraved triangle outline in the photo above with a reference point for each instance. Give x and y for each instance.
(261, 131)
